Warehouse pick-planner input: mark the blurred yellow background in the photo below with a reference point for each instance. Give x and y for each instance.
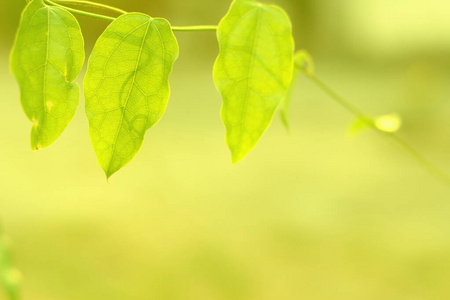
(307, 215)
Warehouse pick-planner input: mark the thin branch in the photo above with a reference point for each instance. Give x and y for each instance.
(110, 19)
(420, 159)
(91, 4)
(195, 28)
(80, 12)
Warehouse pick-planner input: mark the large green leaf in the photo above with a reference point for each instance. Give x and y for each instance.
(47, 56)
(127, 86)
(253, 70)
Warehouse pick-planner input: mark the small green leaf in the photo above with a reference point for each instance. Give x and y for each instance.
(47, 56)
(360, 125)
(253, 70)
(127, 86)
(386, 123)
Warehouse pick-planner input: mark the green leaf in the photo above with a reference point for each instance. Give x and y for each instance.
(386, 123)
(253, 70)
(127, 86)
(360, 125)
(47, 56)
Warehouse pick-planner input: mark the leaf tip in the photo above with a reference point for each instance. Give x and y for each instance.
(236, 157)
(109, 172)
(108, 175)
(35, 146)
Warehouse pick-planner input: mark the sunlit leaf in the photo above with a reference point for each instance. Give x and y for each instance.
(126, 86)
(253, 70)
(386, 123)
(47, 56)
(360, 125)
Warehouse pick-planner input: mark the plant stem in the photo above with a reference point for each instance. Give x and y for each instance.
(91, 4)
(107, 18)
(423, 162)
(431, 168)
(195, 28)
(347, 105)
(80, 12)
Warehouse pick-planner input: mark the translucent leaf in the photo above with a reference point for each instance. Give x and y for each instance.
(126, 86)
(253, 70)
(360, 125)
(47, 56)
(387, 123)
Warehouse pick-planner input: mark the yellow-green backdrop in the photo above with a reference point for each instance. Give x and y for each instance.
(311, 215)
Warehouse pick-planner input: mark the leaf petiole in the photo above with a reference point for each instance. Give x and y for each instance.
(91, 4)
(195, 28)
(59, 3)
(81, 12)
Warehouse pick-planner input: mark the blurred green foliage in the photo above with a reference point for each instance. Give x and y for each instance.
(312, 215)
(9, 276)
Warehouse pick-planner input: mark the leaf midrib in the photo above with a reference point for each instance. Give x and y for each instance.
(44, 81)
(250, 71)
(44, 85)
(128, 96)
